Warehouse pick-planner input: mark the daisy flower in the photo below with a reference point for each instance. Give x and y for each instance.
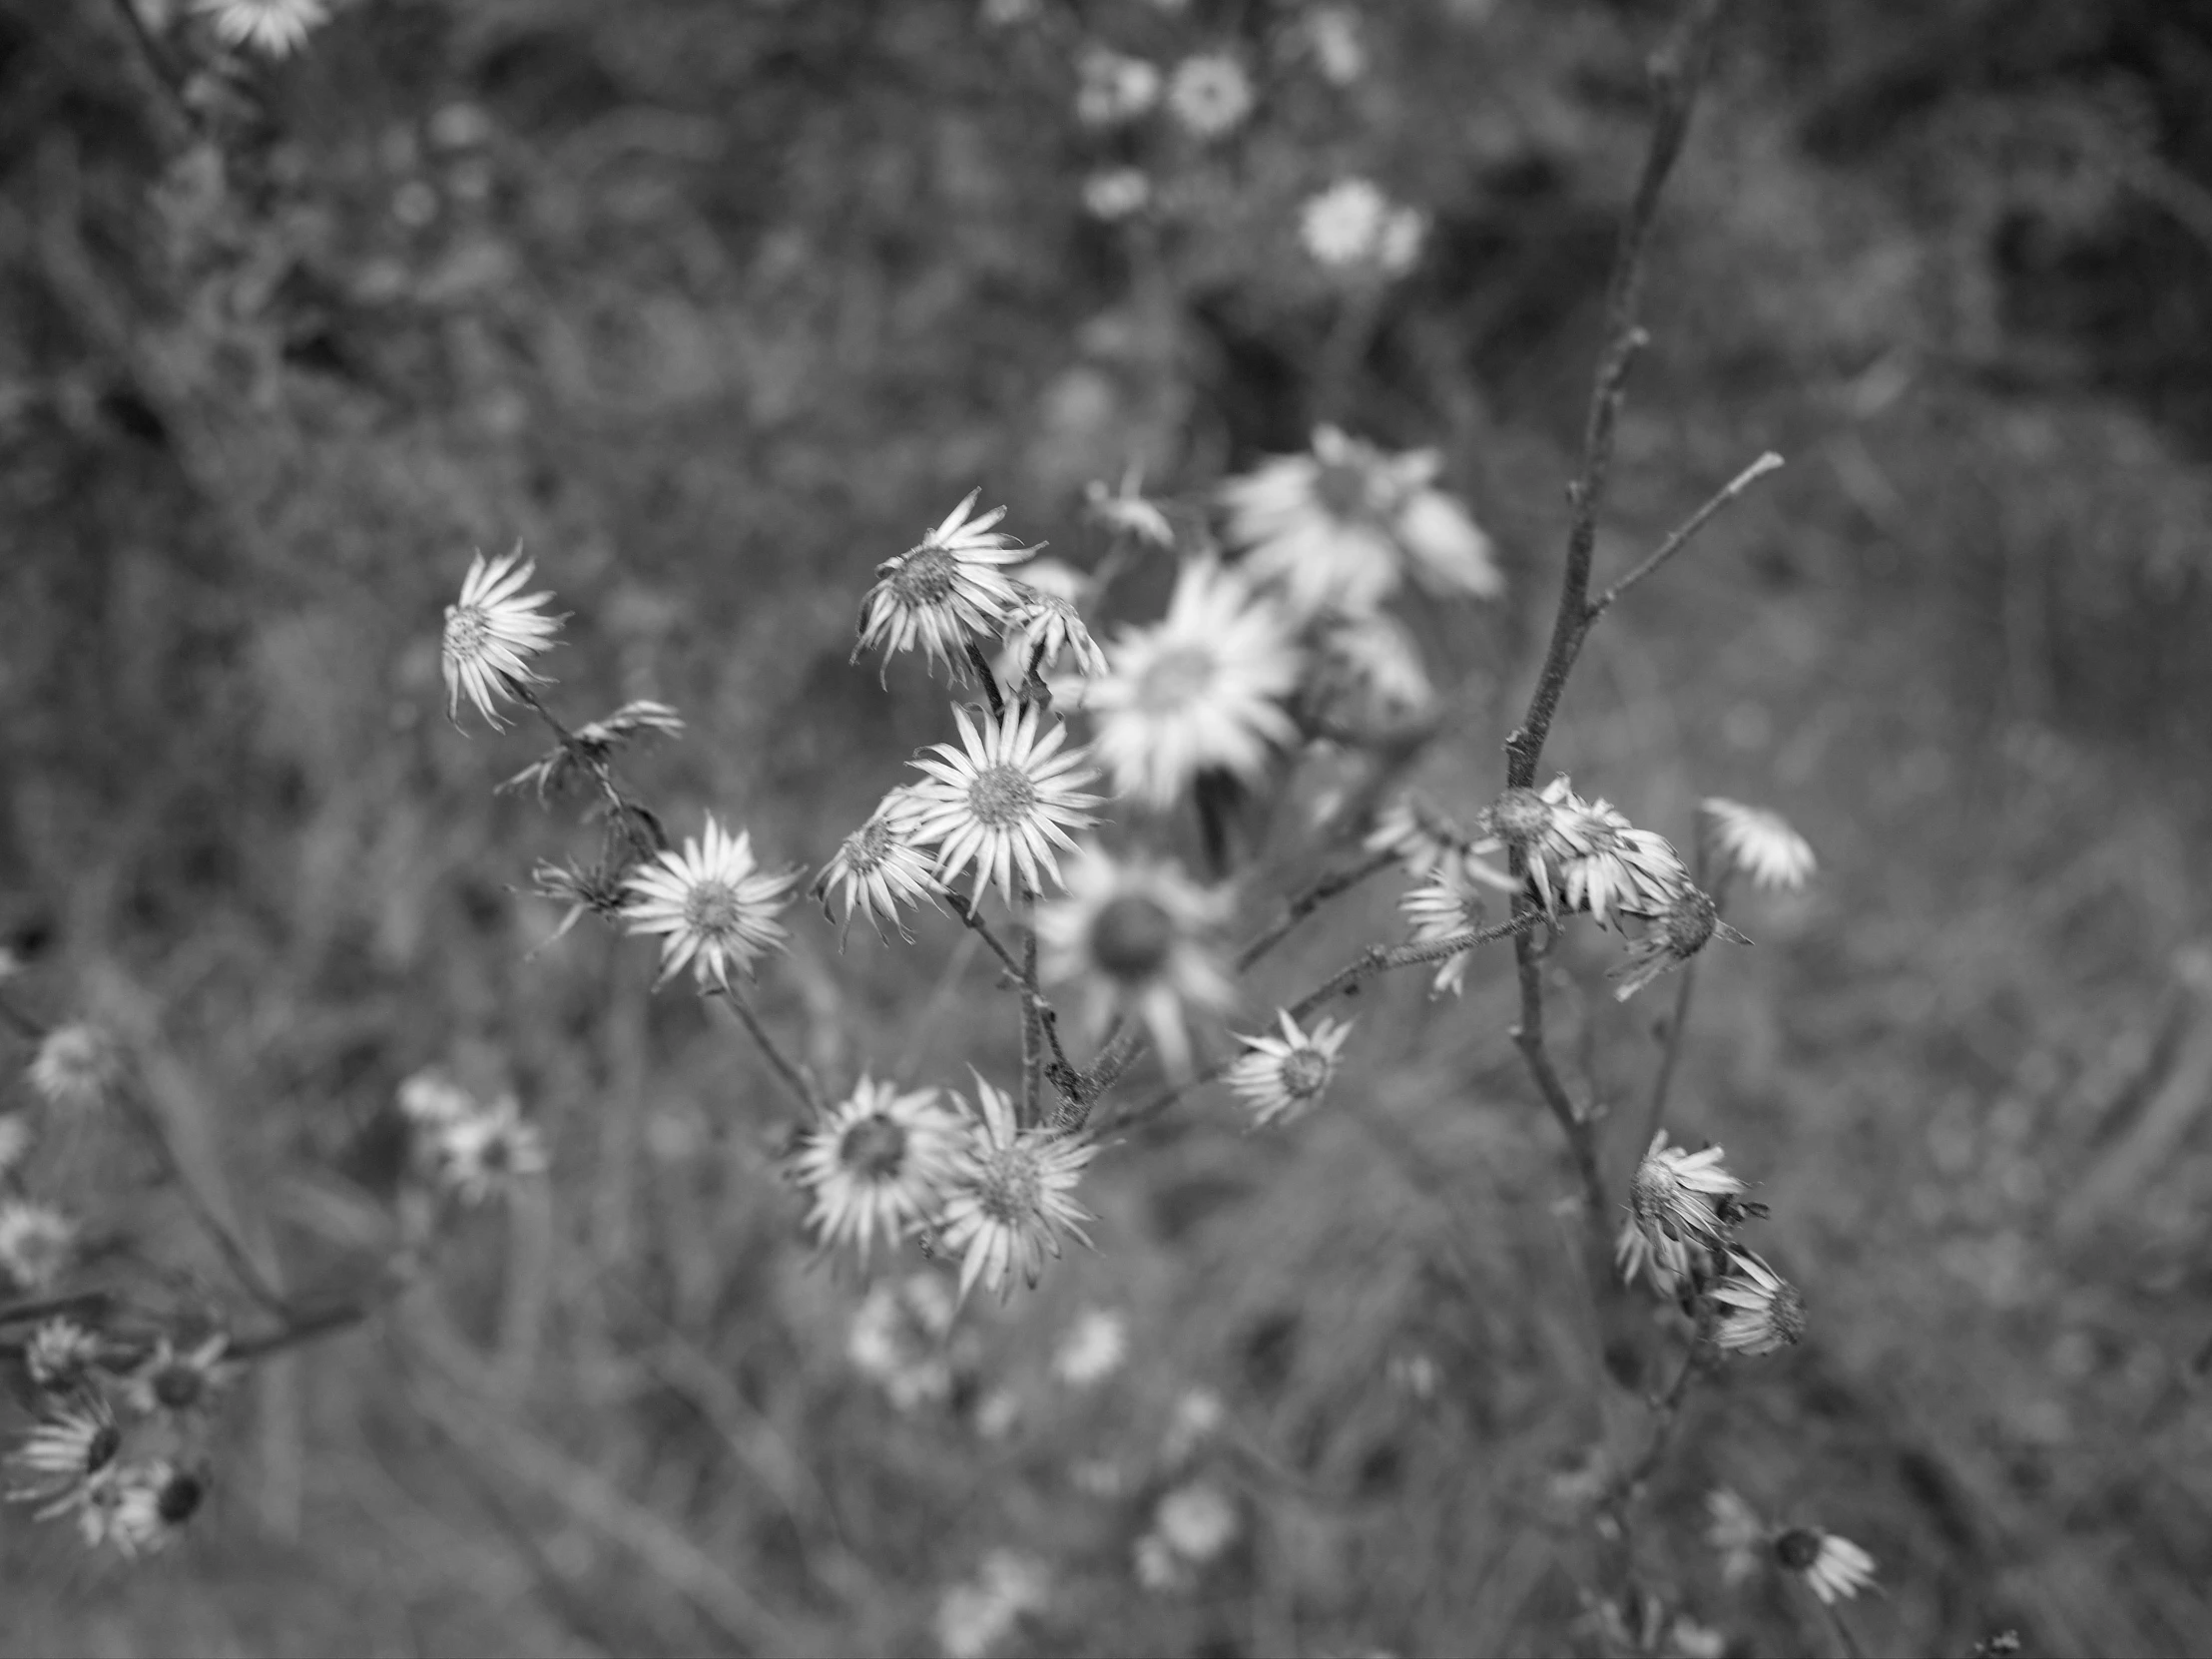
(943, 591)
(277, 27)
(59, 1354)
(1210, 94)
(1197, 1415)
(491, 634)
(143, 1507)
(714, 905)
(1352, 230)
(485, 1151)
(1198, 1521)
(1284, 1077)
(1128, 511)
(35, 1242)
(878, 1162)
(1447, 905)
(73, 1446)
(1678, 1196)
(1677, 934)
(1582, 854)
(170, 1380)
(429, 1098)
(1002, 798)
(1137, 936)
(76, 1068)
(1112, 88)
(974, 1617)
(899, 1336)
(1093, 1348)
(1736, 1535)
(1766, 1311)
(1339, 527)
(880, 866)
(1201, 690)
(1333, 36)
(1418, 836)
(1010, 1198)
(1663, 1262)
(1834, 1569)
(1114, 194)
(1757, 844)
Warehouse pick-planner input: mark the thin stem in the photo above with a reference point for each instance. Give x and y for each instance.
(1842, 1631)
(1528, 1037)
(1032, 1054)
(235, 1255)
(990, 680)
(794, 1076)
(1655, 1114)
(1307, 902)
(1768, 462)
(1071, 1083)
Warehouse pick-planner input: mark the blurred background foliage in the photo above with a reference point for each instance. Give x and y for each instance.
(714, 303)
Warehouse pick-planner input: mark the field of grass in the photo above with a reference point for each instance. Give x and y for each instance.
(714, 304)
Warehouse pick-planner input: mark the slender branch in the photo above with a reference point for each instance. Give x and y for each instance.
(232, 1250)
(1032, 1061)
(990, 679)
(1528, 1037)
(1655, 1114)
(1684, 532)
(1307, 902)
(794, 1076)
(1074, 1086)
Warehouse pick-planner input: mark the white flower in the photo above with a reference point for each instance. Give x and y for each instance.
(142, 1508)
(1736, 1533)
(73, 1445)
(1001, 800)
(276, 27)
(1370, 668)
(1678, 1196)
(1447, 905)
(1766, 1311)
(1339, 527)
(491, 634)
(1662, 1261)
(1128, 511)
(35, 1244)
(713, 905)
(1137, 936)
(1093, 1348)
(1197, 1520)
(1113, 194)
(1582, 854)
(1333, 36)
(429, 1098)
(485, 1150)
(1210, 94)
(1834, 1569)
(1353, 229)
(1009, 1202)
(881, 866)
(1041, 628)
(59, 1354)
(1284, 1077)
(1197, 1417)
(595, 743)
(77, 1067)
(1113, 89)
(1676, 933)
(170, 1380)
(877, 1163)
(975, 1618)
(943, 591)
(899, 1339)
(1757, 842)
(1201, 690)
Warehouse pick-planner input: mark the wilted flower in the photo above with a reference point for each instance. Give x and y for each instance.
(1765, 1310)
(59, 1354)
(1834, 1569)
(943, 591)
(594, 743)
(1210, 94)
(898, 1337)
(1677, 934)
(1676, 1194)
(1093, 1348)
(485, 1150)
(1010, 1200)
(1113, 89)
(171, 1380)
(1042, 627)
(1137, 936)
(1351, 229)
(35, 1242)
(1201, 690)
(1339, 527)
(1417, 834)
(599, 890)
(1285, 1077)
(1757, 842)
(975, 1618)
(491, 634)
(1736, 1533)
(713, 905)
(1662, 1261)
(277, 27)
(1584, 855)
(1128, 511)
(881, 866)
(1449, 903)
(77, 1067)
(878, 1162)
(1002, 798)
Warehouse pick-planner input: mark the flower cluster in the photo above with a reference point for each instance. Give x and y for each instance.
(1685, 1208)
(467, 1147)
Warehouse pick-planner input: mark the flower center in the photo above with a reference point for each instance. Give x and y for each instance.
(1001, 795)
(1175, 679)
(1305, 1072)
(467, 628)
(925, 577)
(99, 1451)
(177, 1500)
(712, 908)
(1341, 490)
(177, 1387)
(873, 1148)
(1798, 1548)
(1786, 1313)
(1010, 1188)
(1520, 816)
(865, 848)
(1688, 923)
(1131, 937)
